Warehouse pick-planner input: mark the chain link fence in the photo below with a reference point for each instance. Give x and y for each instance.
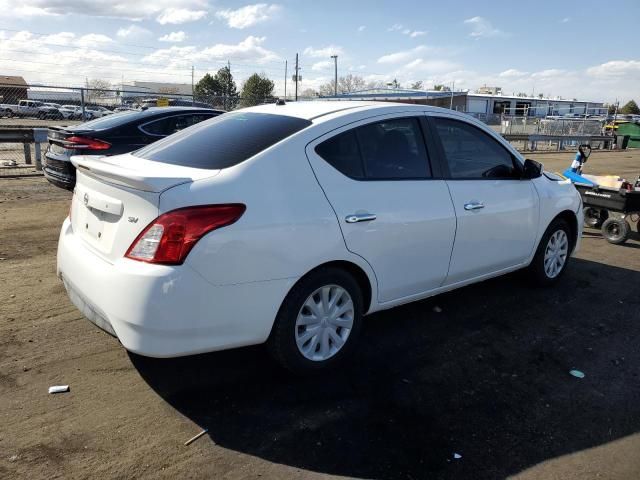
(27, 107)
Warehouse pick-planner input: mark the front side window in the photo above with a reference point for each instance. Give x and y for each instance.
(472, 154)
(388, 150)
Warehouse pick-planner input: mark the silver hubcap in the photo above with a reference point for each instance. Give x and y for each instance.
(324, 323)
(555, 255)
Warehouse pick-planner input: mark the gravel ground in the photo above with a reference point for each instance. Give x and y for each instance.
(486, 378)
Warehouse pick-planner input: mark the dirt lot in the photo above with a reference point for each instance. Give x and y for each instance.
(487, 378)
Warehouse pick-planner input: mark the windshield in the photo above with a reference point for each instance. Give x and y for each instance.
(223, 141)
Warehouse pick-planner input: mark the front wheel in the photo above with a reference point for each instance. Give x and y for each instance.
(318, 323)
(616, 230)
(552, 256)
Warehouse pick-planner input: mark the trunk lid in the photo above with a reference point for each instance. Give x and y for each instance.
(117, 197)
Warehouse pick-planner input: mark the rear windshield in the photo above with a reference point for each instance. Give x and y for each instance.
(223, 141)
(109, 121)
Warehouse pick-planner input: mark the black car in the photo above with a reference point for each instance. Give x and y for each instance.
(112, 135)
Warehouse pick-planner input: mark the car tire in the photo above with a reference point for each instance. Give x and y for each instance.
(616, 230)
(304, 344)
(594, 217)
(553, 254)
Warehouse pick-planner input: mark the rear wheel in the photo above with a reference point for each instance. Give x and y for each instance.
(616, 230)
(318, 323)
(552, 256)
(595, 217)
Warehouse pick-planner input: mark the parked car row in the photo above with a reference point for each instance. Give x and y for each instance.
(48, 110)
(287, 223)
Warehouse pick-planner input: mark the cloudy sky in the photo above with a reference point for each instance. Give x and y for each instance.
(583, 49)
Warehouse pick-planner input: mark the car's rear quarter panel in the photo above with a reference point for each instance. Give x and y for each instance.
(288, 228)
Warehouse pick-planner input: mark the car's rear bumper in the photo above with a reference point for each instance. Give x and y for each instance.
(166, 311)
(59, 172)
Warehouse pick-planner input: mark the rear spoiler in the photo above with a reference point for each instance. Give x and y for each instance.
(98, 167)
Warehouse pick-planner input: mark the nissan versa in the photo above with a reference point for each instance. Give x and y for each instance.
(287, 223)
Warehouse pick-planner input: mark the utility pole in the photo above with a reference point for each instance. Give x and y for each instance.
(285, 79)
(227, 88)
(453, 87)
(335, 69)
(297, 68)
(193, 97)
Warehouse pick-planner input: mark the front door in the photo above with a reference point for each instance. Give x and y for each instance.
(496, 211)
(378, 178)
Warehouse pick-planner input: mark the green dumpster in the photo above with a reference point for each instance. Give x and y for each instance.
(632, 130)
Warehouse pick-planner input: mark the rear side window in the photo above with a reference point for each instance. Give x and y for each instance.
(343, 154)
(388, 150)
(169, 125)
(472, 153)
(223, 141)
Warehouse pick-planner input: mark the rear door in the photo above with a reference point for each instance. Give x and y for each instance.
(393, 209)
(496, 211)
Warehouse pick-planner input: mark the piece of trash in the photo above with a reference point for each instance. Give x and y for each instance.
(193, 439)
(12, 296)
(59, 389)
(457, 456)
(406, 380)
(437, 309)
(577, 373)
(13, 458)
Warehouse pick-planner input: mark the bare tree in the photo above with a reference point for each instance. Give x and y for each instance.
(308, 93)
(351, 83)
(417, 85)
(347, 84)
(97, 88)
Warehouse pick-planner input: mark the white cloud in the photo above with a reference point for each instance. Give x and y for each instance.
(124, 9)
(323, 51)
(248, 15)
(323, 65)
(551, 72)
(175, 16)
(566, 20)
(173, 37)
(404, 55)
(616, 69)
(429, 66)
(398, 27)
(93, 40)
(482, 28)
(132, 32)
(362, 28)
(512, 73)
(250, 49)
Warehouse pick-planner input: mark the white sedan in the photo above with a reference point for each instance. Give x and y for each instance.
(288, 223)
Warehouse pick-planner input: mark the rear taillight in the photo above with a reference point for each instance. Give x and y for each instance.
(171, 236)
(85, 143)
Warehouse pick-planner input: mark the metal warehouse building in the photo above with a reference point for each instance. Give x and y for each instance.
(480, 104)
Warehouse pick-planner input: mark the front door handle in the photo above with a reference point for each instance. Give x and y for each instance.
(360, 217)
(473, 205)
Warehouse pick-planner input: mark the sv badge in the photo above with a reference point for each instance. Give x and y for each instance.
(133, 219)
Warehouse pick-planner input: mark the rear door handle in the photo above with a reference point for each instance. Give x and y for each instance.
(360, 217)
(473, 205)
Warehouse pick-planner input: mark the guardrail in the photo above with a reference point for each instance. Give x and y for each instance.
(15, 151)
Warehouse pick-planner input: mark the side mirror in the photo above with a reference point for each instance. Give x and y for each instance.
(532, 169)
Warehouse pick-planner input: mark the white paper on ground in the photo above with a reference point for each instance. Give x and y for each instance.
(59, 389)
